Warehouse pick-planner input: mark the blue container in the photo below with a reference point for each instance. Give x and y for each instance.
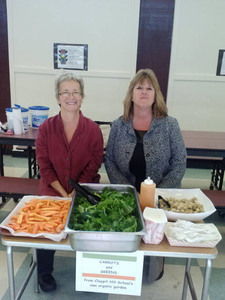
(38, 115)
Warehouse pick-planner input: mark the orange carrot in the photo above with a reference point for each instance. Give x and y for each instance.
(39, 216)
(35, 229)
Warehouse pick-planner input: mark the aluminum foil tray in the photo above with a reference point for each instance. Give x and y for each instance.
(103, 241)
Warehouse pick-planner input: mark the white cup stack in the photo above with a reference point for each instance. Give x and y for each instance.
(17, 121)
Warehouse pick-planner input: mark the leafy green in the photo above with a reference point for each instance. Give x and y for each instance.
(115, 212)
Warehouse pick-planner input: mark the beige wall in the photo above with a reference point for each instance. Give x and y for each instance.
(196, 96)
(110, 28)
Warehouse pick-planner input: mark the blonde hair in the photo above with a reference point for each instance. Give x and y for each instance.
(159, 108)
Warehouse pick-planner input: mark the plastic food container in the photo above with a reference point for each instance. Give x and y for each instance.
(205, 244)
(209, 208)
(104, 241)
(24, 113)
(38, 115)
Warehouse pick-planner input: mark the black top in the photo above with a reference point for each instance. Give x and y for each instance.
(137, 163)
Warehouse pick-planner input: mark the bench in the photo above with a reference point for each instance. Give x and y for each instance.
(16, 187)
(30, 152)
(218, 199)
(216, 164)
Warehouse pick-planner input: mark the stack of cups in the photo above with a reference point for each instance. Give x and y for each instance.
(17, 121)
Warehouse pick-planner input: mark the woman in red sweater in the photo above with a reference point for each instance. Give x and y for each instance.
(68, 145)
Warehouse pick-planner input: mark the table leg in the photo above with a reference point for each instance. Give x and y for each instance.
(10, 272)
(1, 160)
(185, 285)
(29, 161)
(32, 269)
(205, 289)
(222, 174)
(2, 148)
(36, 286)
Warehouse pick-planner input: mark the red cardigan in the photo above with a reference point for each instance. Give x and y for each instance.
(58, 160)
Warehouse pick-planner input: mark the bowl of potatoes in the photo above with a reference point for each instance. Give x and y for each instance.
(184, 204)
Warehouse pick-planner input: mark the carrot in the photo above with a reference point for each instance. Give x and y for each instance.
(30, 229)
(58, 230)
(47, 228)
(35, 229)
(38, 216)
(14, 217)
(24, 226)
(20, 218)
(51, 208)
(49, 214)
(41, 226)
(26, 217)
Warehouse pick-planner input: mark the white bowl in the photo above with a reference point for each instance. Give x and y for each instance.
(209, 208)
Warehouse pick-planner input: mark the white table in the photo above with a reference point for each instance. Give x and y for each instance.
(163, 249)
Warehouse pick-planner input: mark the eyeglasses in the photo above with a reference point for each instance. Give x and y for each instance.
(67, 94)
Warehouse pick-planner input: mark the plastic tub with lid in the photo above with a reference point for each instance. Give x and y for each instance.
(38, 115)
(10, 120)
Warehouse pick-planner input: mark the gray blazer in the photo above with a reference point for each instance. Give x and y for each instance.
(164, 150)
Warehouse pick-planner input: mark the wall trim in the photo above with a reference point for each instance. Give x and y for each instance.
(197, 77)
(50, 71)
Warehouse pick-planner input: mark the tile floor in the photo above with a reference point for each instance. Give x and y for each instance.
(168, 288)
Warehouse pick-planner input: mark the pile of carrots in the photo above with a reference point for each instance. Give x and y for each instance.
(41, 216)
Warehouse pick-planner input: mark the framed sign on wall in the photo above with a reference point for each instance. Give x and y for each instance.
(70, 56)
(221, 63)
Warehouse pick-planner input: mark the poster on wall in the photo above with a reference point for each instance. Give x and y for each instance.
(70, 56)
(221, 63)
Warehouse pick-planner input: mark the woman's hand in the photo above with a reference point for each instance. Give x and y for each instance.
(71, 194)
(57, 186)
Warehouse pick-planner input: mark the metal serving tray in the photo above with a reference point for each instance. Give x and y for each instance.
(103, 241)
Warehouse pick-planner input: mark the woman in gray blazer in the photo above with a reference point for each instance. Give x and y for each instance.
(144, 142)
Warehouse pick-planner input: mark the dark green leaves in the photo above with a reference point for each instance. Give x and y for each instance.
(115, 212)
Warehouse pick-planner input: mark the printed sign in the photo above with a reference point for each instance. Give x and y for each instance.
(109, 272)
(221, 63)
(69, 56)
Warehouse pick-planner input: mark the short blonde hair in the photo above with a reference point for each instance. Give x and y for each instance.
(67, 76)
(159, 107)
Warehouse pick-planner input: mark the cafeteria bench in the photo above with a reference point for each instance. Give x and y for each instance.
(218, 199)
(16, 187)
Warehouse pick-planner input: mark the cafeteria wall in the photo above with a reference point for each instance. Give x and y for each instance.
(195, 93)
(110, 28)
